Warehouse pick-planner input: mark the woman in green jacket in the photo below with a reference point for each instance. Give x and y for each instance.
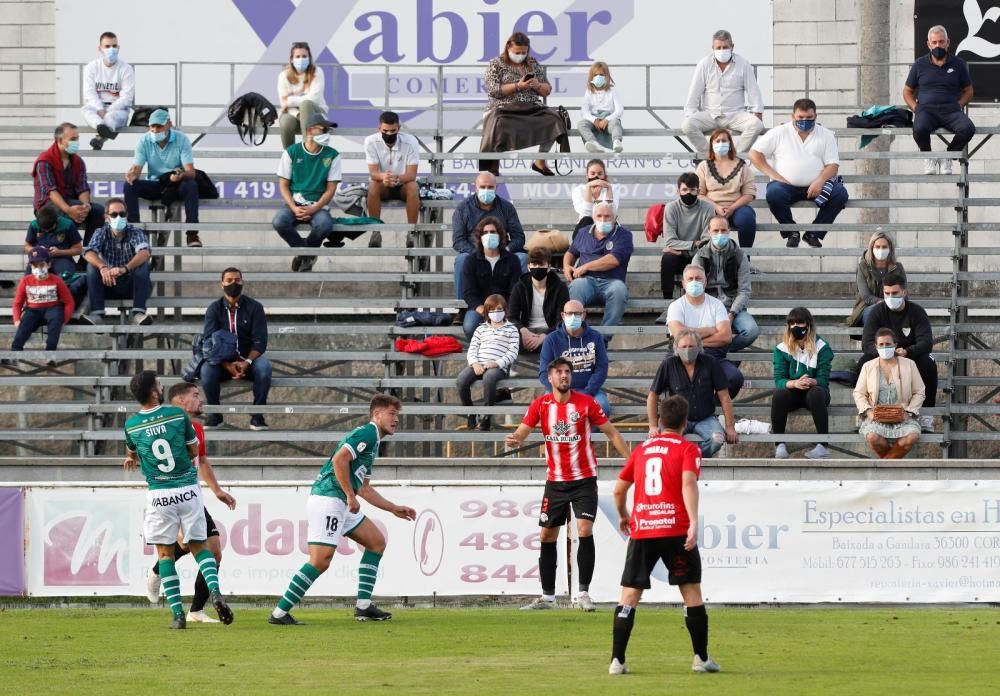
(801, 379)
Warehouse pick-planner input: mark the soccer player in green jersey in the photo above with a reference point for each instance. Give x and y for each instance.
(333, 512)
(161, 441)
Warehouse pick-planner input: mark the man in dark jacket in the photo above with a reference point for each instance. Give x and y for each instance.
(244, 317)
(470, 212)
(536, 319)
(490, 270)
(584, 347)
(914, 338)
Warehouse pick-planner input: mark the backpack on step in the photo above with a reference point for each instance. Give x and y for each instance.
(252, 113)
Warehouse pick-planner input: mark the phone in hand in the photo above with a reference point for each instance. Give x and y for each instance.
(529, 76)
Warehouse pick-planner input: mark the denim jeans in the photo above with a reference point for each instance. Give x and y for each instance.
(94, 219)
(745, 331)
(286, 225)
(781, 196)
(212, 377)
(744, 219)
(711, 432)
(31, 319)
(734, 378)
(602, 400)
(135, 286)
(491, 377)
(152, 190)
(611, 293)
(460, 264)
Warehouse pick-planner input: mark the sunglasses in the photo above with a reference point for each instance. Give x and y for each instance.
(117, 215)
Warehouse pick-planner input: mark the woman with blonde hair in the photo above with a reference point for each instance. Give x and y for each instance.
(300, 90)
(600, 112)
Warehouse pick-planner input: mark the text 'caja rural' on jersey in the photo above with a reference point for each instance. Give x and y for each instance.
(567, 430)
(656, 467)
(362, 443)
(160, 437)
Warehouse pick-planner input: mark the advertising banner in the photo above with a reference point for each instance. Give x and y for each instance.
(11, 541)
(760, 541)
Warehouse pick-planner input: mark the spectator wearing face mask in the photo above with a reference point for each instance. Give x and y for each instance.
(301, 93)
(42, 298)
(484, 202)
(914, 338)
(699, 378)
(727, 278)
(685, 230)
(803, 163)
(877, 261)
(600, 111)
(492, 270)
(576, 341)
(597, 187)
(392, 158)
(492, 352)
(60, 178)
(801, 379)
(108, 91)
(118, 258)
(725, 181)
(596, 263)
(537, 300)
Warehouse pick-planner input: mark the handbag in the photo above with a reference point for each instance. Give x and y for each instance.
(553, 240)
(889, 415)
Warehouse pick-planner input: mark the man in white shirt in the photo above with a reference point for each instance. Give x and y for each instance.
(802, 161)
(724, 94)
(707, 316)
(108, 91)
(392, 159)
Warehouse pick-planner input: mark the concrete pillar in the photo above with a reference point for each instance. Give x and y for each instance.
(873, 22)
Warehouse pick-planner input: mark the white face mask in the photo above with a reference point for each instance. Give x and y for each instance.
(723, 55)
(881, 253)
(517, 57)
(894, 303)
(40, 272)
(497, 315)
(886, 352)
(322, 139)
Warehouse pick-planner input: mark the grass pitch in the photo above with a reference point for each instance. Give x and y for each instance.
(909, 650)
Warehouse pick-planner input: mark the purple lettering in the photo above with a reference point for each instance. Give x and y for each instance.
(579, 24)
(548, 29)
(304, 536)
(462, 85)
(282, 542)
(458, 39)
(491, 33)
(388, 37)
(393, 85)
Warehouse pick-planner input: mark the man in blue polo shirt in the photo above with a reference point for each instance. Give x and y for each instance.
(166, 153)
(596, 264)
(937, 89)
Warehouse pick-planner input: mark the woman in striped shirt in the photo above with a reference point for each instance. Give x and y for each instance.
(492, 352)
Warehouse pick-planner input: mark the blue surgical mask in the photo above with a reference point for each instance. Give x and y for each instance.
(599, 81)
(72, 147)
(695, 288)
(300, 64)
(159, 137)
(805, 124)
(894, 303)
(721, 147)
(111, 55)
(118, 223)
(572, 322)
(491, 240)
(886, 352)
(720, 240)
(486, 196)
(604, 227)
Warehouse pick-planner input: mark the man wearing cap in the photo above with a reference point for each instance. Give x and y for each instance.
(308, 175)
(167, 154)
(42, 298)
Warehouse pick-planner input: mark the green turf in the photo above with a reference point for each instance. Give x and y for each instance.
(502, 651)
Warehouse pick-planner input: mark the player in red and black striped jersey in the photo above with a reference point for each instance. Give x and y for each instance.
(567, 419)
(187, 396)
(663, 526)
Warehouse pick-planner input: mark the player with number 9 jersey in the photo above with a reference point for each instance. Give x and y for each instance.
(160, 438)
(656, 468)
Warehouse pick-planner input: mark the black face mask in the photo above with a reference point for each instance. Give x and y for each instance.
(939, 52)
(389, 138)
(799, 332)
(233, 290)
(689, 198)
(539, 273)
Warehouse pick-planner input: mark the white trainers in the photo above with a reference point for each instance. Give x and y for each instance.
(539, 603)
(708, 665)
(927, 424)
(593, 146)
(152, 586)
(818, 452)
(944, 166)
(617, 667)
(617, 146)
(200, 617)
(584, 602)
(930, 166)
(781, 452)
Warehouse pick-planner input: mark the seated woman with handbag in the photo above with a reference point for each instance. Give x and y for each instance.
(515, 116)
(888, 395)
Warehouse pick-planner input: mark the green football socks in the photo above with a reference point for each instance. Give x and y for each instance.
(300, 584)
(367, 574)
(171, 586)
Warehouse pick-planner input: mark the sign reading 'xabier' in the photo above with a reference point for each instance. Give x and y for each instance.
(974, 29)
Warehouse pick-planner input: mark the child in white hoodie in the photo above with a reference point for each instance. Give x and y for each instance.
(601, 112)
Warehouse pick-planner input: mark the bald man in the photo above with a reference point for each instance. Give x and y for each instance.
(484, 202)
(585, 349)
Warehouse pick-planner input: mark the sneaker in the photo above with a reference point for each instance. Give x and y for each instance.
(375, 240)
(106, 132)
(584, 602)
(200, 617)
(94, 319)
(306, 264)
(927, 424)
(193, 240)
(286, 620)
(152, 586)
(470, 423)
(221, 608)
(754, 270)
(812, 240)
(709, 665)
(944, 166)
(81, 309)
(930, 166)
(818, 452)
(8, 362)
(781, 452)
(617, 146)
(792, 240)
(179, 622)
(141, 319)
(212, 420)
(486, 423)
(96, 143)
(372, 613)
(296, 262)
(258, 423)
(617, 667)
(593, 146)
(539, 603)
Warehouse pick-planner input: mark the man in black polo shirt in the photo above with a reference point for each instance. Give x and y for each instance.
(937, 89)
(700, 380)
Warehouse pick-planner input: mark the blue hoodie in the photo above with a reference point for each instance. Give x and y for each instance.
(586, 352)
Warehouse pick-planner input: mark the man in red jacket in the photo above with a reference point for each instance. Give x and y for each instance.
(41, 298)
